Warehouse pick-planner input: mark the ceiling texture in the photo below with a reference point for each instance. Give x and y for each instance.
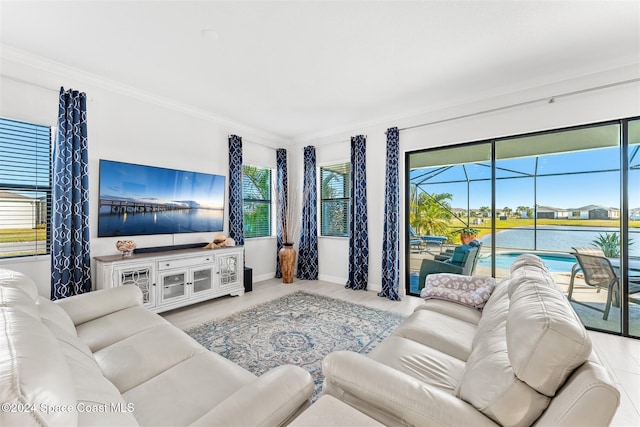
(301, 69)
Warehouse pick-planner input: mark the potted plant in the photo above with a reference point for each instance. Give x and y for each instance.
(610, 244)
(467, 234)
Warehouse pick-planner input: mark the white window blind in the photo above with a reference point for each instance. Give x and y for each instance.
(256, 194)
(334, 199)
(25, 188)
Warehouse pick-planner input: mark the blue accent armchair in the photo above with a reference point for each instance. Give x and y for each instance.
(462, 260)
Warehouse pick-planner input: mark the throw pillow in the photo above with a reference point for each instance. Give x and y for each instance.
(472, 291)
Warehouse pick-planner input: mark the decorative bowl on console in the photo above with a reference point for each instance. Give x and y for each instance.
(126, 247)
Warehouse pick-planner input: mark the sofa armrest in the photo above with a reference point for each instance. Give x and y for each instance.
(273, 399)
(393, 397)
(92, 305)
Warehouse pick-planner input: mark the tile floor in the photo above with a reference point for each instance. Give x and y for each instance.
(620, 355)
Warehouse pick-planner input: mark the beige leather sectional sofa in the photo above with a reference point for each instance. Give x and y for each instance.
(103, 359)
(525, 359)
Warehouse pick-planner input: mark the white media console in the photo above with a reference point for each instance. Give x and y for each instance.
(175, 278)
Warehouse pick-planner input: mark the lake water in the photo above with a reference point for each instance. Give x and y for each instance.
(168, 222)
(556, 238)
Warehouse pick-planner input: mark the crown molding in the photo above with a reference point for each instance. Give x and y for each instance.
(67, 73)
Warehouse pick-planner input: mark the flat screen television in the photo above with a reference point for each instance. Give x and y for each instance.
(137, 200)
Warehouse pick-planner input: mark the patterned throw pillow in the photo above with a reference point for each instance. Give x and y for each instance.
(473, 291)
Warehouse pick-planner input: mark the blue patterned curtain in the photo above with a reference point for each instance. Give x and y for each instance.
(391, 232)
(358, 230)
(70, 256)
(308, 245)
(236, 215)
(282, 187)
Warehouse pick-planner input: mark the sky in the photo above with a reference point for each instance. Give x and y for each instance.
(561, 182)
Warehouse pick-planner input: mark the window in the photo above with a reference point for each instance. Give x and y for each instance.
(25, 188)
(256, 190)
(334, 199)
(548, 193)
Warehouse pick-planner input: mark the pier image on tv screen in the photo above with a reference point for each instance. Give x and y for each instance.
(137, 199)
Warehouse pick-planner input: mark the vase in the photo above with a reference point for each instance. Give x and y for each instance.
(287, 259)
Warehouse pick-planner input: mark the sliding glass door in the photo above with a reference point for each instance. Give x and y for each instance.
(633, 213)
(559, 194)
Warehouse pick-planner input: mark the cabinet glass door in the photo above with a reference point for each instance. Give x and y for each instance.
(202, 280)
(228, 269)
(173, 286)
(141, 277)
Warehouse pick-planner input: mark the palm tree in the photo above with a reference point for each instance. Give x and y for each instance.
(521, 209)
(430, 213)
(256, 186)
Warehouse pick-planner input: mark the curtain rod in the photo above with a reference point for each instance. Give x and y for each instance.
(548, 99)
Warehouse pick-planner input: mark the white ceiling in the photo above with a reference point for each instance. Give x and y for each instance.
(299, 69)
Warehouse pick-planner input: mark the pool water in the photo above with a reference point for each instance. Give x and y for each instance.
(555, 263)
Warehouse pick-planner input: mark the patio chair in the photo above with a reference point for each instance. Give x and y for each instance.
(421, 244)
(416, 244)
(594, 276)
(463, 261)
(599, 274)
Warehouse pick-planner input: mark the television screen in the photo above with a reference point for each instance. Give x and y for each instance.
(136, 199)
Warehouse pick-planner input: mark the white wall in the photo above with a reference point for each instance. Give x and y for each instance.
(594, 106)
(136, 129)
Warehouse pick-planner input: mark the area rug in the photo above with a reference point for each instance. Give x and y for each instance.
(299, 329)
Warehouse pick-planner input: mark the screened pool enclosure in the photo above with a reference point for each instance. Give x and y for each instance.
(545, 193)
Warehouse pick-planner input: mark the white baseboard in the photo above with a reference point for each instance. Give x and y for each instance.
(266, 276)
(332, 279)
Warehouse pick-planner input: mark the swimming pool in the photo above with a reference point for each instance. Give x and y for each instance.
(555, 263)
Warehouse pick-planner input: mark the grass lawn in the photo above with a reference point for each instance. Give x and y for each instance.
(485, 228)
(15, 235)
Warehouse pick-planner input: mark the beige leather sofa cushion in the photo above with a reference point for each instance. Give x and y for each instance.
(14, 279)
(493, 312)
(98, 401)
(55, 314)
(422, 362)
(19, 300)
(32, 363)
(530, 260)
(153, 351)
(441, 332)
(184, 393)
(488, 381)
(112, 328)
(546, 340)
(456, 311)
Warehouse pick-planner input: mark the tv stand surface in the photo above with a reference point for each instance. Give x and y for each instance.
(169, 248)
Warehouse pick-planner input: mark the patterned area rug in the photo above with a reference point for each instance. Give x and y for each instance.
(299, 329)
